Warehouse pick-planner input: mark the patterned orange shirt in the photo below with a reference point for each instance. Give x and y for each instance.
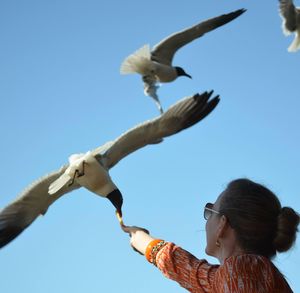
(247, 273)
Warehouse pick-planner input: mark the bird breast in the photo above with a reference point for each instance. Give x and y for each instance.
(95, 178)
(164, 73)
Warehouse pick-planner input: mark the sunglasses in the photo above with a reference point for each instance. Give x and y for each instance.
(208, 210)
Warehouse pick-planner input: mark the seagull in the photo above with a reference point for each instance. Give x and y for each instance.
(86, 171)
(91, 170)
(155, 66)
(290, 22)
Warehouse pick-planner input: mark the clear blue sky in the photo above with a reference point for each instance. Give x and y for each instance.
(61, 93)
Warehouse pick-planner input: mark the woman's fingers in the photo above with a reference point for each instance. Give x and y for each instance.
(132, 229)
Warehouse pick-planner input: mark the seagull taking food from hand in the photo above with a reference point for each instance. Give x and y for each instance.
(155, 66)
(290, 22)
(86, 171)
(90, 170)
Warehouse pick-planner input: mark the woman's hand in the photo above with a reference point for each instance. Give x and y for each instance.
(139, 237)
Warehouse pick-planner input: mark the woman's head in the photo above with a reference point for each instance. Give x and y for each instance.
(254, 213)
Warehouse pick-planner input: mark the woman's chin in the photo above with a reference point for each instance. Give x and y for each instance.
(207, 251)
(210, 252)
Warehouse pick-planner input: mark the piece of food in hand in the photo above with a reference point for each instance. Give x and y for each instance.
(120, 219)
(133, 229)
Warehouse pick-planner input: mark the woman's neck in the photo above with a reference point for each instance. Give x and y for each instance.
(227, 250)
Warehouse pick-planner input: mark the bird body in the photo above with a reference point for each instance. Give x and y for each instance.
(156, 65)
(290, 22)
(140, 62)
(85, 170)
(91, 170)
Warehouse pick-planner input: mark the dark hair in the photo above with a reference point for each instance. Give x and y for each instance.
(262, 226)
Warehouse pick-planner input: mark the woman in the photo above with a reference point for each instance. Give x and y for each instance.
(245, 229)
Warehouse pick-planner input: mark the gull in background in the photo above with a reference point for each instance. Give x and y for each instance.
(155, 66)
(90, 170)
(290, 22)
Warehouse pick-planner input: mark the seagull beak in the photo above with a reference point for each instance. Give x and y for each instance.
(180, 72)
(187, 75)
(116, 199)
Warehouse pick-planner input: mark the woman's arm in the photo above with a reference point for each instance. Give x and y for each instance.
(174, 262)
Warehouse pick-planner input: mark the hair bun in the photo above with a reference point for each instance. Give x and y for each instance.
(287, 227)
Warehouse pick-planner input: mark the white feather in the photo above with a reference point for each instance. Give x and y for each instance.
(137, 62)
(59, 183)
(75, 164)
(295, 45)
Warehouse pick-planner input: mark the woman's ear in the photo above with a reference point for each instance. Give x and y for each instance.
(222, 226)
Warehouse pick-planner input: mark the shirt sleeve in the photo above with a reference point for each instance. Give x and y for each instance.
(181, 266)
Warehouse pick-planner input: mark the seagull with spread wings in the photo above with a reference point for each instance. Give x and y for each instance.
(155, 66)
(90, 170)
(290, 22)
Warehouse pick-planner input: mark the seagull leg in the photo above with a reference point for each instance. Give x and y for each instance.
(150, 89)
(79, 174)
(73, 178)
(158, 104)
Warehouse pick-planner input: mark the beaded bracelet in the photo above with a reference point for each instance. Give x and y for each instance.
(156, 249)
(152, 249)
(149, 249)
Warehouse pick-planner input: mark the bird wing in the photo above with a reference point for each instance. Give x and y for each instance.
(57, 184)
(35, 199)
(165, 50)
(289, 13)
(31, 203)
(183, 114)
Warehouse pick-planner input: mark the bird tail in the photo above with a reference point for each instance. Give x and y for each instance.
(134, 61)
(295, 45)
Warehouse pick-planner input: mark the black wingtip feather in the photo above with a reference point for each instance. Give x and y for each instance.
(202, 109)
(239, 12)
(8, 234)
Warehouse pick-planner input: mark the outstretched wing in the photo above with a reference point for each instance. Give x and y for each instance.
(32, 202)
(289, 14)
(35, 200)
(165, 50)
(183, 114)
